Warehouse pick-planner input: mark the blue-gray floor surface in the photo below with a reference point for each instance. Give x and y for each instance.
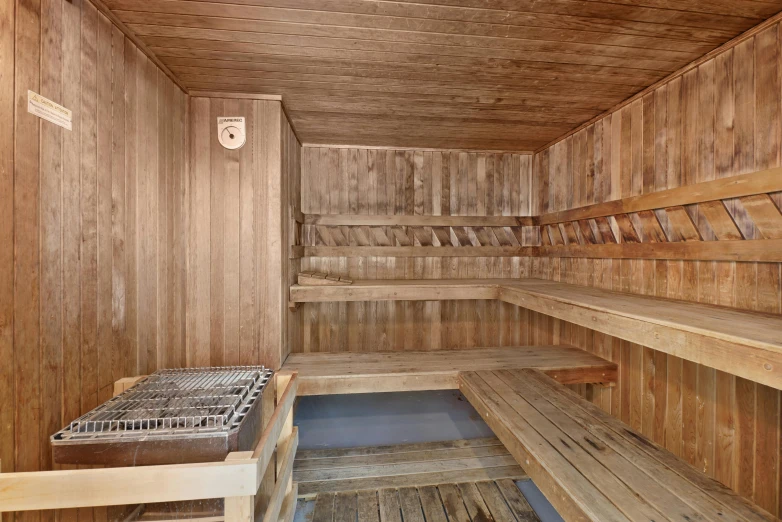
(377, 419)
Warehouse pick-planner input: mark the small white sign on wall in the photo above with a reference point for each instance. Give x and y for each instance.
(48, 110)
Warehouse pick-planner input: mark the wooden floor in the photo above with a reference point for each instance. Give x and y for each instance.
(499, 500)
(373, 372)
(406, 465)
(590, 465)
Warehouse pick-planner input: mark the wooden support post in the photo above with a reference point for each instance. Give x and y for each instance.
(240, 509)
(287, 429)
(288, 508)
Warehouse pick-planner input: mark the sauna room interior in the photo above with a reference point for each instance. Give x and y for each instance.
(390, 260)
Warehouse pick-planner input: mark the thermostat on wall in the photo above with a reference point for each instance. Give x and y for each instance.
(230, 131)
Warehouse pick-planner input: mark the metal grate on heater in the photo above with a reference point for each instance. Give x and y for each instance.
(173, 403)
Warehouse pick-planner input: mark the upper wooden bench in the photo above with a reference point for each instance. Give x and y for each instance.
(747, 344)
(374, 372)
(590, 465)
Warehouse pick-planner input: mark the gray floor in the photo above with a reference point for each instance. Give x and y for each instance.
(376, 419)
(346, 421)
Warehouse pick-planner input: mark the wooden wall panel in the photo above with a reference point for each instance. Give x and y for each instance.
(720, 119)
(90, 223)
(238, 210)
(413, 182)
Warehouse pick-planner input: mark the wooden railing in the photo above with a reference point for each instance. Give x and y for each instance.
(237, 479)
(732, 219)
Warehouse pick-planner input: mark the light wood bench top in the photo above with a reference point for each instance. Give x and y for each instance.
(375, 372)
(590, 465)
(747, 344)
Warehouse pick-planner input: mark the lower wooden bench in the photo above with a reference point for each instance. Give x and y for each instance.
(590, 465)
(374, 372)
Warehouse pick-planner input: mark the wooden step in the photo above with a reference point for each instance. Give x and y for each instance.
(376, 372)
(404, 465)
(747, 344)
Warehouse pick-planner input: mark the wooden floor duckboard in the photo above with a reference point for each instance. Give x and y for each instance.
(374, 372)
(406, 465)
(485, 501)
(589, 464)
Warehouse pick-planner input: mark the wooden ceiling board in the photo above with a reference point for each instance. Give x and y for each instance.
(468, 74)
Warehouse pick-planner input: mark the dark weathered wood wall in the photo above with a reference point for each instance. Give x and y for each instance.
(90, 222)
(720, 119)
(413, 182)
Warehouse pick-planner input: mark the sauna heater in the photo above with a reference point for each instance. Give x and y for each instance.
(170, 417)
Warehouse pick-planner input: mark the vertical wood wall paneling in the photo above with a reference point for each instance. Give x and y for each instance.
(72, 266)
(411, 182)
(238, 215)
(721, 119)
(7, 106)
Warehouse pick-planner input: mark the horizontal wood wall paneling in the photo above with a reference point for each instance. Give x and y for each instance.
(724, 188)
(418, 220)
(766, 250)
(419, 251)
(379, 73)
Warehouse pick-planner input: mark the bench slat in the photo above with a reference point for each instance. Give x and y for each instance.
(685, 479)
(552, 473)
(589, 464)
(607, 450)
(611, 487)
(374, 372)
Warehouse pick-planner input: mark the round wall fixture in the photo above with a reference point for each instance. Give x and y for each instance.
(230, 131)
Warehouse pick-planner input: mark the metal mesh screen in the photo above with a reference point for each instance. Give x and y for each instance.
(175, 402)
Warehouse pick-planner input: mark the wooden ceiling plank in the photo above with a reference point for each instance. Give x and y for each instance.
(396, 71)
(400, 47)
(541, 27)
(488, 10)
(467, 84)
(686, 13)
(164, 43)
(341, 89)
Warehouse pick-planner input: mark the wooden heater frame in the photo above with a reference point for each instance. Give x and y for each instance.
(237, 479)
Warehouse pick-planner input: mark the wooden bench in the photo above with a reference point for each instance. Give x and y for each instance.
(374, 372)
(747, 344)
(590, 465)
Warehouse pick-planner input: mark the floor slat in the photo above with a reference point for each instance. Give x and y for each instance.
(404, 465)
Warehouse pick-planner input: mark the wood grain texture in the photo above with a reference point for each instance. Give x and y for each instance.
(380, 74)
(84, 298)
(404, 466)
(591, 465)
(406, 185)
(341, 373)
(717, 121)
(240, 205)
(498, 500)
